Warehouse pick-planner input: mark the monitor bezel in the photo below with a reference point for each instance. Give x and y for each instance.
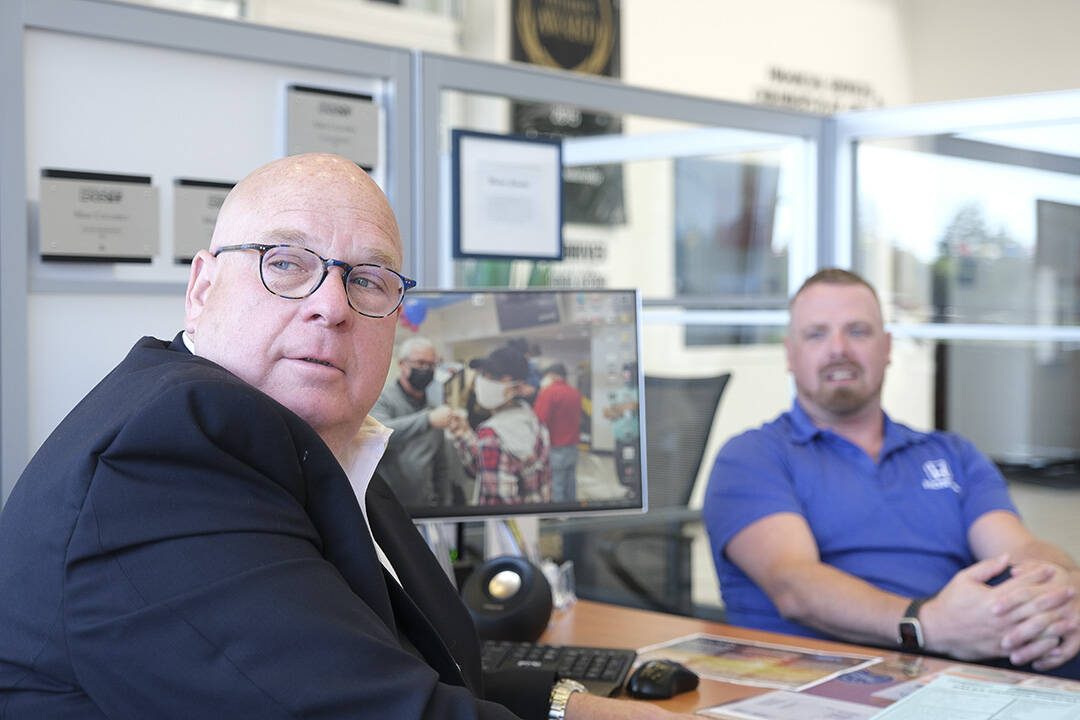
(549, 510)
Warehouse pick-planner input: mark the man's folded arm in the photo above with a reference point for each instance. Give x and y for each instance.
(1042, 597)
(780, 555)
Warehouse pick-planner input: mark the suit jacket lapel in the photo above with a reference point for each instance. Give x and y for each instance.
(426, 604)
(347, 544)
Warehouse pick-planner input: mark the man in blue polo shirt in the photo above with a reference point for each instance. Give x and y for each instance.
(835, 521)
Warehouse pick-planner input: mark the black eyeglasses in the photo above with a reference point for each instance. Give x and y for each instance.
(294, 272)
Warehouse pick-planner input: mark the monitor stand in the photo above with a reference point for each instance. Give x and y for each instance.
(517, 536)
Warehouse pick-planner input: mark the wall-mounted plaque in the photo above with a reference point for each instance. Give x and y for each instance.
(333, 121)
(507, 196)
(195, 210)
(97, 216)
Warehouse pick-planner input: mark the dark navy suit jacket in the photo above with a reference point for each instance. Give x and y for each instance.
(182, 546)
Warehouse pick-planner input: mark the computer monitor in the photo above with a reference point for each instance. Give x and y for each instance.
(594, 336)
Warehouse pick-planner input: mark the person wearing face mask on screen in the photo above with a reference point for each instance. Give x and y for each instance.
(420, 463)
(509, 453)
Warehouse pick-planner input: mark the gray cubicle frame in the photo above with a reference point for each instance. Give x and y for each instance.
(942, 118)
(171, 30)
(438, 73)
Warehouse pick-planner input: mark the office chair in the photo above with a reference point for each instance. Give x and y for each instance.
(653, 562)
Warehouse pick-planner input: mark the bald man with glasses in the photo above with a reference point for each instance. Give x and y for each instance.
(204, 535)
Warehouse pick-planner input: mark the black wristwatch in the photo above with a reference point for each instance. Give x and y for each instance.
(911, 635)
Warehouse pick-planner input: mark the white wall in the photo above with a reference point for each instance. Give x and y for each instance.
(907, 50)
(724, 48)
(979, 48)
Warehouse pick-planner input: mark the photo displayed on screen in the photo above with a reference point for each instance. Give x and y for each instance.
(515, 402)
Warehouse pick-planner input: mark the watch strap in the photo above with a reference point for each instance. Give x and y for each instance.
(910, 632)
(560, 695)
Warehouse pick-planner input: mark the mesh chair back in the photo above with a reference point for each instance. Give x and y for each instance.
(679, 413)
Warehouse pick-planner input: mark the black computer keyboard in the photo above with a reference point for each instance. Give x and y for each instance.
(601, 670)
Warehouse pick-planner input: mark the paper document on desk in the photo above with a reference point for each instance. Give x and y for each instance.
(948, 697)
(746, 662)
(784, 704)
(979, 672)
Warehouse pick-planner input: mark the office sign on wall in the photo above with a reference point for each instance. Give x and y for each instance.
(195, 209)
(582, 36)
(333, 121)
(101, 216)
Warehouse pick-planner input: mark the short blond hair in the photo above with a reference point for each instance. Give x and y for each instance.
(834, 276)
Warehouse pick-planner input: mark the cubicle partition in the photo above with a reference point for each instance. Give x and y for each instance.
(709, 208)
(177, 99)
(966, 217)
(113, 88)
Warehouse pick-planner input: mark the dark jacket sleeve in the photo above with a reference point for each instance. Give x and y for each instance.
(526, 692)
(197, 584)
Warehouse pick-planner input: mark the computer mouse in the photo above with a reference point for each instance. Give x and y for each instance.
(660, 679)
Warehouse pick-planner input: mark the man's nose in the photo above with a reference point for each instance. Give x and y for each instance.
(837, 344)
(330, 302)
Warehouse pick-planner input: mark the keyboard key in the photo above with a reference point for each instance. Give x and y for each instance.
(602, 670)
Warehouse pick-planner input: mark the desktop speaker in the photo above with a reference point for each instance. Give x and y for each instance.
(509, 599)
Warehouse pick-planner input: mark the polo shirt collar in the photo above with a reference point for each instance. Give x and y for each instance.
(803, 429)
(897, 436)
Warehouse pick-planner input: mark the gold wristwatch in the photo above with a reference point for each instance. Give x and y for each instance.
(560, 694)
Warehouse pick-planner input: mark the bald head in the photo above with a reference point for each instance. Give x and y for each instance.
(314, 354)
(315, 181)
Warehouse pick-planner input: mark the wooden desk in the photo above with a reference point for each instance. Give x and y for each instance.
(591, 623)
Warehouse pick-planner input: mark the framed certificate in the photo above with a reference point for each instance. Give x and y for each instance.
(507, 196)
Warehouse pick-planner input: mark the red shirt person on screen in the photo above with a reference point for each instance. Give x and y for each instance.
(558, 405)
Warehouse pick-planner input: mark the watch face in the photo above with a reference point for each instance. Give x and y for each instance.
(911, 637)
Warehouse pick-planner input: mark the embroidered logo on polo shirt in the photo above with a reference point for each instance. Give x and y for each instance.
(938, 476)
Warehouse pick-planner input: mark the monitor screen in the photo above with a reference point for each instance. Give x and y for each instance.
(513, 402)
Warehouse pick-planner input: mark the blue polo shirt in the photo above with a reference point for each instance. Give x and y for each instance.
(900, 524)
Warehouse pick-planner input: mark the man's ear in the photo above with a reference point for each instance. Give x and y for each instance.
(203, 267)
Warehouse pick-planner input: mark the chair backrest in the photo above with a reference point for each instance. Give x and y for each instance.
(679, 414)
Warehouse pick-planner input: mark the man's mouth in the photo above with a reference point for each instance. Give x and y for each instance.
(317, 362)
(839, 374)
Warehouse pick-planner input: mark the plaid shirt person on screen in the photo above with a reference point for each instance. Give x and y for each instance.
(509, 455)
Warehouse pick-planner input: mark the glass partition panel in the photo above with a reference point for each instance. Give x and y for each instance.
(972, 238)
(1014, 400)
(706, 217)
(973, 228)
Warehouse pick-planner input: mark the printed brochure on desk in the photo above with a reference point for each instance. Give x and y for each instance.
(954, 697)
(746, 662)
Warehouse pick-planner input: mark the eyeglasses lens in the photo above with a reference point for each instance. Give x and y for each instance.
(294, 272)
(374, 290)
(291, 272)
